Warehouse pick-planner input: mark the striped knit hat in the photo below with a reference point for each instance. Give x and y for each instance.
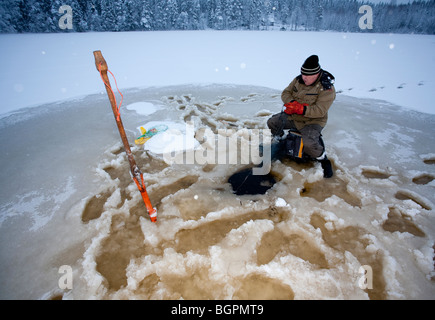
(311, 66)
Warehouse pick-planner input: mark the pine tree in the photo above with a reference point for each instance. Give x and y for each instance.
(93, 15)
(79, 8)
(171, 14)
(318, 18)
(217, 18)
(234, 14)
(108, 16)
(165, 14)
(10, 14)
(38, 20)
(147, 16)
(188, 19)
(255, 12)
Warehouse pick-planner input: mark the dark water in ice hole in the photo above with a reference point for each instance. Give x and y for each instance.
(245, 182)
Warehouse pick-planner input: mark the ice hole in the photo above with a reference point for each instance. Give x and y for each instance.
(245, 182)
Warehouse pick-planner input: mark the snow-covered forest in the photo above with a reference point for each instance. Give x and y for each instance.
(36, 16)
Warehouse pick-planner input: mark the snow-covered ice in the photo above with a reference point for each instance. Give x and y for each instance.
(143, 108)
(67, 197)
(44, 68)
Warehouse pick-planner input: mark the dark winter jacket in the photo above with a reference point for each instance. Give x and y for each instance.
(319, 96)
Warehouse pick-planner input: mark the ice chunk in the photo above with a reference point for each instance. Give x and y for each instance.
(143, 108)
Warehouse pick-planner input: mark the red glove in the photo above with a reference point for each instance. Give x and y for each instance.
(294, 107)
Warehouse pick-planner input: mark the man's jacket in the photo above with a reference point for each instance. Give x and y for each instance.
(319, 96)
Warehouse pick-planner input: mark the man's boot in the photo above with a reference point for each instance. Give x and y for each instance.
(326, 165)
(327, 168)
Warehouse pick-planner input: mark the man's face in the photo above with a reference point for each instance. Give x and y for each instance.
(309, 80)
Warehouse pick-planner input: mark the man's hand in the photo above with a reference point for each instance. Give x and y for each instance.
(294, 107)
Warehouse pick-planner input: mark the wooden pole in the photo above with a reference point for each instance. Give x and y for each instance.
(102, 68)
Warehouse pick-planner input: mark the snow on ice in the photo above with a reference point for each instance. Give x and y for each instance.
(67, 197)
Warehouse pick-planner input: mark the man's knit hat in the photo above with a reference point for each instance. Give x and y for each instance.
(311, 66)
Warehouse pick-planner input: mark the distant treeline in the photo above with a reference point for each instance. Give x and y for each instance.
(23, 16)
